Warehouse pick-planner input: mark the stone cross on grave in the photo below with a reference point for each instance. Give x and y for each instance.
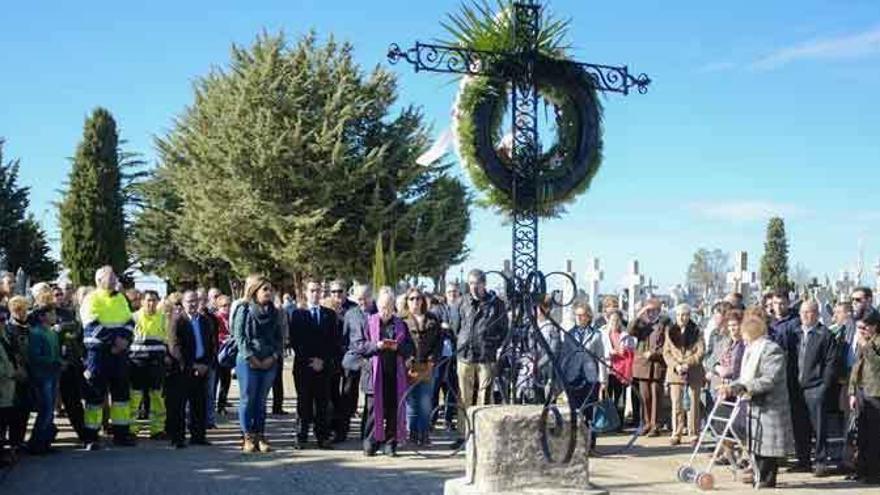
(877, 282)
(741, 279)
(634, 282)
(567, 296)
(844, 285)
(594, 277)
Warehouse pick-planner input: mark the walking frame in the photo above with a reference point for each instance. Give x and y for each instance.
(719, 428)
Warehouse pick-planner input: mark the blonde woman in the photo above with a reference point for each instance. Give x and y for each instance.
(257, 327)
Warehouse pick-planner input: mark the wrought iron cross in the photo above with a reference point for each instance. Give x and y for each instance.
(524, 102)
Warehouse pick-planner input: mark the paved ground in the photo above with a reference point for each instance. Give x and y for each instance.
(152, 468)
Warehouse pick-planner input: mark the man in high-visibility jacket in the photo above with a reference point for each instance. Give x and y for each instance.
(107, 333)
(149, 356)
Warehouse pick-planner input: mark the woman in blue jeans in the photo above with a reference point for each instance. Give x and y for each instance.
(257, 328)
(425, 330)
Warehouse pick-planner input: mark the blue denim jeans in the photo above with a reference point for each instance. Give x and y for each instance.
(211, 406)
(418, 407)
(254, 386)
(45, 389)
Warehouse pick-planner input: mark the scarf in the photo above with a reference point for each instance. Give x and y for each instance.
(751, 359)
(257, 318)
(400, 334)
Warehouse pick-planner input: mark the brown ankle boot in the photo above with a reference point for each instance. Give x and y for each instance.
(249, 446)
(263, 445)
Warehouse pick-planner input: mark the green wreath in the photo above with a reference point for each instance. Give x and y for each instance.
(568, 166)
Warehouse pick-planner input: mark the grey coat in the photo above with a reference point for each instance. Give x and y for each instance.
(770, 414)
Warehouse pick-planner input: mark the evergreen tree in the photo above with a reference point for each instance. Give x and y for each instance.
(13, 203)
(289, 162)
(774, 263)
(92, 212)
(379, 278)
(22, 241)
(30, 251)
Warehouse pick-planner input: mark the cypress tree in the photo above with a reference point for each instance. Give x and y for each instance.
(22, 241)
(379, 279)
(92, 212)
(774, 263)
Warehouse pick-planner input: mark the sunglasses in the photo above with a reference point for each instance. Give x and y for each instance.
(415, 298)
(336, 291)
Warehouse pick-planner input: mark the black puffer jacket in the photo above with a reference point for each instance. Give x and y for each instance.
(483, 327)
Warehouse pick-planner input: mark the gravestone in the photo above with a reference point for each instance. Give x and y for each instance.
(741, 279)
(504, 456)
(844, 285)
(568, 296)
(594, 277)
(877, 283)
(634, 282)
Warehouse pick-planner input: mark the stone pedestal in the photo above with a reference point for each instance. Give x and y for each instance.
(504, 457)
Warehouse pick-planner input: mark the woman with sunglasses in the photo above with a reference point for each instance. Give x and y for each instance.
(425, 330)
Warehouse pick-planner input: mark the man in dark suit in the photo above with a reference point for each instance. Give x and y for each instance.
(192, 349)
(812, 374)
(314, 338)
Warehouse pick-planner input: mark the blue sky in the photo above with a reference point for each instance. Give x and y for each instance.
(756, 108)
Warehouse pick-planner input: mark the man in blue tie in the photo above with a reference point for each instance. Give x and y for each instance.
(313, 336)
(191, 349)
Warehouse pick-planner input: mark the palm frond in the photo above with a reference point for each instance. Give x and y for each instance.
(481, 26)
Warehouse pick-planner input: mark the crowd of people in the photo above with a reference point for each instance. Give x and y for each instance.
(117, 360)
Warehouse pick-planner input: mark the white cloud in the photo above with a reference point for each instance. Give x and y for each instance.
(844, 47)
(744, 211)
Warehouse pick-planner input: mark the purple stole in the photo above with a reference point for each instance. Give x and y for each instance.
(400, 335)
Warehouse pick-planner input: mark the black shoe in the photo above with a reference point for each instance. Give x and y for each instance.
(178, 445)
(800, 468)
(92, 446)
(300, 442)
(200, 441)
(325, 444)
(370, 450)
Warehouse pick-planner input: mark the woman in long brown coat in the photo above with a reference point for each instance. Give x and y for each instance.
(683, 352)
(649, 368)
